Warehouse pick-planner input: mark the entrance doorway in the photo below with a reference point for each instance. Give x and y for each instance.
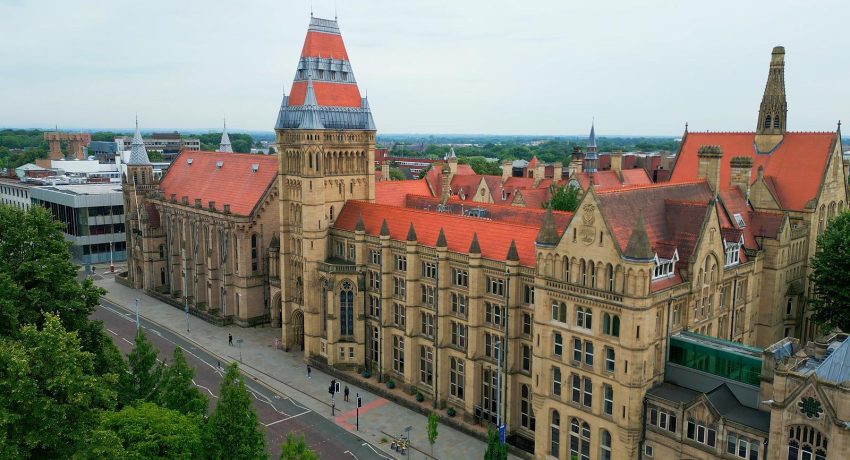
(298, 330)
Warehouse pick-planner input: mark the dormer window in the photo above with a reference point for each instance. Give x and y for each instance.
(739, 221)
(504, 195)
(665, 268)
(733, 251)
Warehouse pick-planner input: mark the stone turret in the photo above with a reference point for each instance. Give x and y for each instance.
(773, 112)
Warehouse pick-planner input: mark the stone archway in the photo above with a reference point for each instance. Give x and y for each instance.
(276, 310)
(298, 330)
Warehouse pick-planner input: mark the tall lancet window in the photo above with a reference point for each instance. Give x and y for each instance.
(346, 309)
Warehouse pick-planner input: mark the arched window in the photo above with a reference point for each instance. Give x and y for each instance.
(579, 440)
(777, 122)
(767, 120)
(346, 309)
(555, 434)
(331, 214)
(525, 410)
(582, 268)
(606, 323)
(566, 269)
(254, 254)
(605, 445)
(324, 312)
(609, 277)
(591, 266)
(615, 326)
(806, 443)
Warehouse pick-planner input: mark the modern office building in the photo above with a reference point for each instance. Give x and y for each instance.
(93, 215)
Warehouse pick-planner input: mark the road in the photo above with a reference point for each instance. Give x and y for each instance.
(278, 413)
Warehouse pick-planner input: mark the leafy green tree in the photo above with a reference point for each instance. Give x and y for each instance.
(396, 174)
(101, 444)
(564, 198)
(50, 397)
(148, 431)
(155, 156)
(831, 276)
(142, 380)
(176, 390)
(232, 431)
(495, 449)
(295, 448)
(433, 420)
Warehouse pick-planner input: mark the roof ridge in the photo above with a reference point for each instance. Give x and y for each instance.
(452, 216)
(506, 206)
(647, 186)
(686, 202)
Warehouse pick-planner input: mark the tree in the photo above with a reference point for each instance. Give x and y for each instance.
(176, 390)
(141, 381)
(396, 174)
(155, 156)
(231, 431)
(564, 198)
(50, 396)
(495, 449)
(433, 419)
(831, 276)
(148, 431)
(295, 448)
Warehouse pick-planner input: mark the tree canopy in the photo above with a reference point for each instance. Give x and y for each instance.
(176, 390)
(142, 380)
(831, 276)
(564, 198)
(148, 431)
(295, 448)
(232, 430)
(495, 449)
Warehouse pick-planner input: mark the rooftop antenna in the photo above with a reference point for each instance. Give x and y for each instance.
(311, 9)
(334, 11)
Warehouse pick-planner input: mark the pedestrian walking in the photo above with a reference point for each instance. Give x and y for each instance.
(309, 370)
(230, 339)
(345, 393)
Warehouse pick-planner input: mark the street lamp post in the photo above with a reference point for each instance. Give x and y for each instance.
(138, 326)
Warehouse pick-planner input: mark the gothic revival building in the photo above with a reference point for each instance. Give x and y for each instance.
(555, 324)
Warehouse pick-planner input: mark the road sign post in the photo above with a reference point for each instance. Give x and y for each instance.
(359, 403)
(138, 326)
(407, 430)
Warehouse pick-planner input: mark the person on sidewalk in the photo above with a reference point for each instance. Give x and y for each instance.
(308, 372)
(230, 339)
(345, 394)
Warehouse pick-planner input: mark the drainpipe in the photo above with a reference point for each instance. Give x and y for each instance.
(734, 298)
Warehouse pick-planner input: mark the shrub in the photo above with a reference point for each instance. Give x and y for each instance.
(366, 374)
(451, 412)
(390, 384)
(420, 397)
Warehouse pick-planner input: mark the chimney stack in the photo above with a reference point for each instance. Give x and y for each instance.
(709, 165)
(558, 171)
(741, 168)
(617, 163)
(507, 170)
(445, 185)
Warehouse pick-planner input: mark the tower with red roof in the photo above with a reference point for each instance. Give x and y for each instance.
(326, 138)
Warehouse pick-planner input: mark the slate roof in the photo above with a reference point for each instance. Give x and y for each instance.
(835, 368)
(234, 183)
(794, 168)
(721, 398)
(494, 238)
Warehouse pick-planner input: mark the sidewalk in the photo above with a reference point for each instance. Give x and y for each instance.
(285, 372)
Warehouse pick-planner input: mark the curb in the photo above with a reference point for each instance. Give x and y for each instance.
(253, 377)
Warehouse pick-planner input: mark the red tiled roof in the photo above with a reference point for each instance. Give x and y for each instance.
(535, 197)
(608, 179)
(234, 183)
(318, 44)
(635, 176)
(533, 163)
(496, 212)
(328, 94)
(796, 166)
(393, 192)
(519, 182)
(766, 223)
(734, 202)
(493, 237)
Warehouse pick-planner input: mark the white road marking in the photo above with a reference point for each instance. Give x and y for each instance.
(349, 453)
(205, 388)
(122, 338)
(111, 331)
(287, 418)
(370, 446)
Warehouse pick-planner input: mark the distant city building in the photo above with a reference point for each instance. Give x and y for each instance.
(104, 151)
(15, 193)
(93, 217)
(168, 144)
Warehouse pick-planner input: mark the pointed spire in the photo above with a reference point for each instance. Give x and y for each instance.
(451, 154)
(138, 153)
(441, 239)
(513, 254)
(474, 247)
(591, 141)
(411, 233)
(224, 145)
(385, 228)
(311, 119)
(310, 97)
(548, 234)
(638, 247)
(360, 226)
(773, 110)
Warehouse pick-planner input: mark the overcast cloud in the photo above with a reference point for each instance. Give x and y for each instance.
(438, 66)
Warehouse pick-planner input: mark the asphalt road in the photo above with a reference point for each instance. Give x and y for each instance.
(279, 414)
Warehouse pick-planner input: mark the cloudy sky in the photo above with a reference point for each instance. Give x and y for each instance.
(436, 66)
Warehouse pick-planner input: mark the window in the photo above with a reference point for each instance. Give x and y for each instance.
(559, 312)
(427, 294)
(584, 317)
(495, 286)
(733, 252)
(375, 256)
(426, 323)
(744, 447)
(490, 345)
(374, 306)
(567, 269)
(610, 360)
(662, 419)
(346, 309)
(459, 303)
(324, 312)
(399, 288)
(605, 446)
(665, 268)
(576, 389)
(555, 434)
(806, 443)
(528, 294)
(426, 365)
(609, 277)
(398, 354)
(789, 307)
(458, 334)
(399, 314)
(460, 277)
(526, 358)
(698, 432)
(401, 263)
(556, 381)
(493, 314)
(647, 450)
(579, 440)
(577, 350)
(526, 324)
(429, 270)
(607, 399)
(373, 280)
(611, 325)
(456, 379)
(739, 220)
(526, 413)
(254, 254)
(588, 392)
(558, 345)
(588, 353)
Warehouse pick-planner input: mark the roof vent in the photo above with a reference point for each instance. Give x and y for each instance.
(189, 161)
(219, 164)
(255, 167)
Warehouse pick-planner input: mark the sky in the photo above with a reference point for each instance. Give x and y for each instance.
(437, 66)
